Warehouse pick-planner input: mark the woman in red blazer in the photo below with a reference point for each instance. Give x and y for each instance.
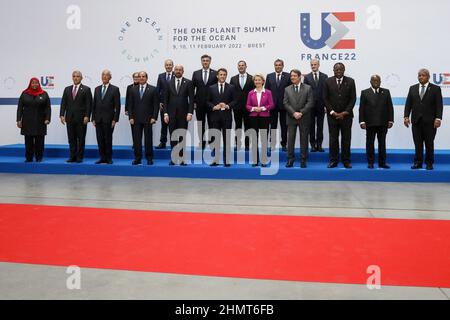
(259, 104)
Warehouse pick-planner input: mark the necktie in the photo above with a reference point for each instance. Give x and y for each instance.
(296, 89)
(242, 81)
(74, 92)
(339, 83)
(316, 80)
(178, 85)
(103, 91)
(221, 89)
(168, 77)
(141, 93)
(422, 92)
(278, 80)
(205, 76)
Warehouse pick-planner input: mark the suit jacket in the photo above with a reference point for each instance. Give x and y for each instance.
(278, 91)
(317, 88)
(429, 108)
(33, 112)
(201, 89)
(106, 109)
(242, 93)
(162, 84)
(339, 99)
(78, 108)
(128, 96)
(266, 101)
(181, 103)
(142, 110)
(228, 97)
(376, 109)
(302, 101)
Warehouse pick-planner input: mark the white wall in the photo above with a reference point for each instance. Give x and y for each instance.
(393, 39)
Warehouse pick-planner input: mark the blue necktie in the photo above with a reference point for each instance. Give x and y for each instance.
(141, 92)
(103, 91)
(242, 81)
(205, 77)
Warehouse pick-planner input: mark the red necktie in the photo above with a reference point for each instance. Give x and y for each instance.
(74, 92)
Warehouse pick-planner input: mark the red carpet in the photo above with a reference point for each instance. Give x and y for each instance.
(409, 252)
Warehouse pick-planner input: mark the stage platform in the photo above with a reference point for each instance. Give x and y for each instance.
(12, 161)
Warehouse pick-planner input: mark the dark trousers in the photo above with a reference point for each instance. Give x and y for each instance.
(274, 124)
(147, 130)
(225, 127)
(76, 132)
(164, 126)
(241, 117)
(343, 127)
(380, 132)
(316, 126)
(292, 133)
(34, 146)
(104, 140)
(202, 116)
(178, 122)
(424, 133)
(261, 127)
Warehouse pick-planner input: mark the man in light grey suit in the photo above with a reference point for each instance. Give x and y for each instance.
(298, 102)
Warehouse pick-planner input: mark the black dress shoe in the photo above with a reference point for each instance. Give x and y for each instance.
(171, 163)
(347, 165)
(429, 166)
(109, 162)
(183, 164)
(227, 165)
(332, 164)
(214, 164)
(161, 146)
(79, 161)
(313, 149)
(39, 160)
(264, 165)
(150, 162)
(416, 166)
(384, 166)
(303, 164)
(290, 164)
(320, 149)
(136, 162)
(254, 164)
(370, 166)
(70, 160)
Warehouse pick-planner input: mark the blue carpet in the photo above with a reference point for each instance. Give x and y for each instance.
(12, 157)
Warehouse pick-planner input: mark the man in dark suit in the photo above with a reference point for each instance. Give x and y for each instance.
(76, 107)
(178, 110)
(243, 84)
(221, 100)
(298, 103)
(202, 79)
(276, 82)
(128, 97)
(339, 95)
(316, 80)
(105, 115)
(162, 85)
(425, 103)
(376, 116)
(143, 113)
